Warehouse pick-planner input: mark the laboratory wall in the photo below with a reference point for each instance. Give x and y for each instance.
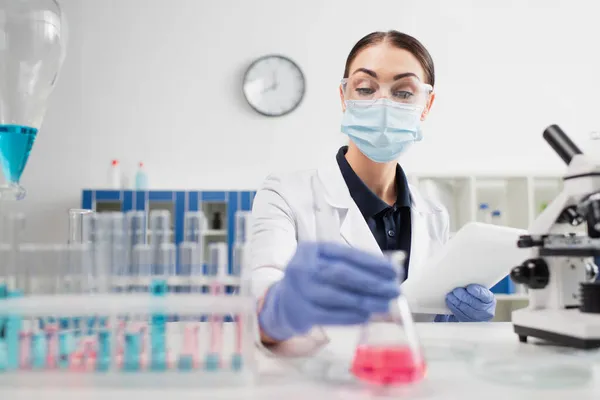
(160, 81)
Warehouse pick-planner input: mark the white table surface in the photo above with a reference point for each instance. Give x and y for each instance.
(446, 378)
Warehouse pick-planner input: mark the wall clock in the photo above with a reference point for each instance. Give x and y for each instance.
(274, 85)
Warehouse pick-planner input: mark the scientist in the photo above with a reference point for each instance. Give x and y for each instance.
(304, 280)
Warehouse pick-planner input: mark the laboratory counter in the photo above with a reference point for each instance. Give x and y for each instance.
(464, 361)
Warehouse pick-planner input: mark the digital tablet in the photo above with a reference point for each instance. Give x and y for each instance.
(478, 253)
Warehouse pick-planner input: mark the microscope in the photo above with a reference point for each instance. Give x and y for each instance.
(564, 303)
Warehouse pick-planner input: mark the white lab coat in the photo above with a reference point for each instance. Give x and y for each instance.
(283, 214)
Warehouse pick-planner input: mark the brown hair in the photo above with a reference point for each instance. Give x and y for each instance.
(401, 41)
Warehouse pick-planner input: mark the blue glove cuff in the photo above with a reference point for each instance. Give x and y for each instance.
(272, 318)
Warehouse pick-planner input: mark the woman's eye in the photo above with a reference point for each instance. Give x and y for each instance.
(365, 91)
(403, 94)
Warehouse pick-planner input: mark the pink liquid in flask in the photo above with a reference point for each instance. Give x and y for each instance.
(387, 365)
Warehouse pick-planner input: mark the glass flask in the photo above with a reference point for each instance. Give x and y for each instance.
(32, 49)
(389, 352)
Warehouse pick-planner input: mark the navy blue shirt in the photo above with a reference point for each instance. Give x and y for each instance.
(390, 225)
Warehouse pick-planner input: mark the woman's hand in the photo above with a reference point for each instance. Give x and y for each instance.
(327, 284)
(474, 303)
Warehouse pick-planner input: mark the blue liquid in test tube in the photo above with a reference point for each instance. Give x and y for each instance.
(163, 264)
(14, 324)
(104, 351)
(39, 350)
(133, 348)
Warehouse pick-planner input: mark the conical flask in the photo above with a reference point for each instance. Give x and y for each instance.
(32, 50)
(389, 352)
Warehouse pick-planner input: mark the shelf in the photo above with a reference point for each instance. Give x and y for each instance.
(215, 232)
(519, 199)
(509, 197)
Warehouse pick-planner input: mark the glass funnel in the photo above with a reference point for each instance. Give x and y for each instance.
(32, 49)
(389, 352)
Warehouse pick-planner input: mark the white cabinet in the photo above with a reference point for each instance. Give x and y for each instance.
(517, 200)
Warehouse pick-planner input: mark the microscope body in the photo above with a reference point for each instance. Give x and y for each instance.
(564, 307)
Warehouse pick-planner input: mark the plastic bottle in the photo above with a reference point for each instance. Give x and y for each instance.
(497, 217)
(483, 214)
(141, 179)
(114, 175)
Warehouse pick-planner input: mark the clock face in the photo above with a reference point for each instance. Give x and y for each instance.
(274, 85)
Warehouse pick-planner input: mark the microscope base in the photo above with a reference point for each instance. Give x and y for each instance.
(564, 327)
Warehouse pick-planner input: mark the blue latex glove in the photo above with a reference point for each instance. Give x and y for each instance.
(474, 303)
(445, 318)
(327, 284)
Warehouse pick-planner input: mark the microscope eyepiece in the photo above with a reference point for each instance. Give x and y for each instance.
(561, 143)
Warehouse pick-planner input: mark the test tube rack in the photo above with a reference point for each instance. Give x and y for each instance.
(113, 309)
(127, 340)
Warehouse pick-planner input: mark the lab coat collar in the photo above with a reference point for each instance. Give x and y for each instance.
(337, 194)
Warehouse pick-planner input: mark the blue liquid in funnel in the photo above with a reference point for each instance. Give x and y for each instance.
(16, 142)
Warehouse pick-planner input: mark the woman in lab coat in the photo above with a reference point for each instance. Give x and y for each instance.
(318, 235)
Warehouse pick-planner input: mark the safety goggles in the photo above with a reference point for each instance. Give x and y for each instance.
(408, 90)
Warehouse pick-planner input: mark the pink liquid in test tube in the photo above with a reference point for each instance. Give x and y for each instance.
(238, 332)
(120, 339)
(190, 342)
(216, 323)
(25, 355)
(52, 335)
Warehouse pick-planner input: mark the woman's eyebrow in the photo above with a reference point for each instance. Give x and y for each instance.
(374, 74)
(366, 71)
(404, 75)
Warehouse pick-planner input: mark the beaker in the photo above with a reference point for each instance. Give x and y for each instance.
(389, 352)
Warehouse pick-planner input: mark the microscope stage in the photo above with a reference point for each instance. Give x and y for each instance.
(566, 327)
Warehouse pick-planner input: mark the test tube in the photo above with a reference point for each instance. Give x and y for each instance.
(101, 232)
(191, 271)
(242, 234)
(78, 228)
(168, 263)
(194, 226)
(74, 266)
(190, 267)
(218, 265)
(135, 227)
(135, 233)
(160, 226)
(15, 224)
(242, 241)
(164, 265)
(142, 267)
(160, 232)
(14, 228)
(116, 261)
(193, 241)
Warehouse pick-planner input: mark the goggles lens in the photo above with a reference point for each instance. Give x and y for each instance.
(408, 90)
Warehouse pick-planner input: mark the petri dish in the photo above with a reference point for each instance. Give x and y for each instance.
(537, 366)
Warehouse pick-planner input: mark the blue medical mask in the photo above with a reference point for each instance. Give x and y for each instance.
(382, 129)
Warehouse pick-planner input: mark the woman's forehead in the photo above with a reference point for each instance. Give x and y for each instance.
(387, 61)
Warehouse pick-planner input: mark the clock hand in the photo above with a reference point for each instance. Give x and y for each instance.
(268, 88)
